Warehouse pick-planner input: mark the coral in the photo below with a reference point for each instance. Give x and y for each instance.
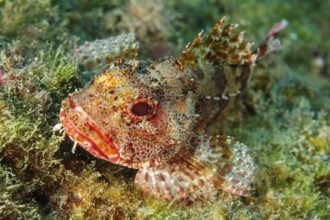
(28, 98)
(150, 20)
(88, 194)
(85, 19)
(30, 25)
(14, 204)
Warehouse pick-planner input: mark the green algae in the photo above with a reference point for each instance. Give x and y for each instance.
(283, 116)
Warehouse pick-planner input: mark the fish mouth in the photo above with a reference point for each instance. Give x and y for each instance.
(82, 130)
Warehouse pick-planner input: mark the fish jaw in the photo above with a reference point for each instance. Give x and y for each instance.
(81, 129)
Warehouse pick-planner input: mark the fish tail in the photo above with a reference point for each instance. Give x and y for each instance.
(215, 163)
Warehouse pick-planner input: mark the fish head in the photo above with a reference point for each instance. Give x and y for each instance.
(124, 116)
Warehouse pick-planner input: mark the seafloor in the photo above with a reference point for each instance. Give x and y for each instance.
(283, 115)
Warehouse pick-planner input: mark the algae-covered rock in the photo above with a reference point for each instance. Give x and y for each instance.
(283, 115)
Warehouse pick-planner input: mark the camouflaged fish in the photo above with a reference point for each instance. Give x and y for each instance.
(149, 115)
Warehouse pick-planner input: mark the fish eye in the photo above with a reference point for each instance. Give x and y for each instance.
(141, 109)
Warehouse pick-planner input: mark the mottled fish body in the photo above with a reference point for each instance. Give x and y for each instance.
(148, 115)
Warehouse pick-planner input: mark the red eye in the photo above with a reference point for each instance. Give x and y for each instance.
(141, 109)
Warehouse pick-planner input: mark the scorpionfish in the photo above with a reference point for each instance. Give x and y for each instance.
(150, 115)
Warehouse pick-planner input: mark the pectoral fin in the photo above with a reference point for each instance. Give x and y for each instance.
(214, 163)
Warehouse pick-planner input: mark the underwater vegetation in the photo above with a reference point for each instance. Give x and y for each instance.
(283, 115)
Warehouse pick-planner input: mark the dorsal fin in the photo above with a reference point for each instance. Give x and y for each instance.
(98, 54)
(271, 44)
(218, 47)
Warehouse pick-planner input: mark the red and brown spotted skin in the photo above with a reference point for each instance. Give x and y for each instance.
(103, 111)
(103, 121)
(148, 115)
